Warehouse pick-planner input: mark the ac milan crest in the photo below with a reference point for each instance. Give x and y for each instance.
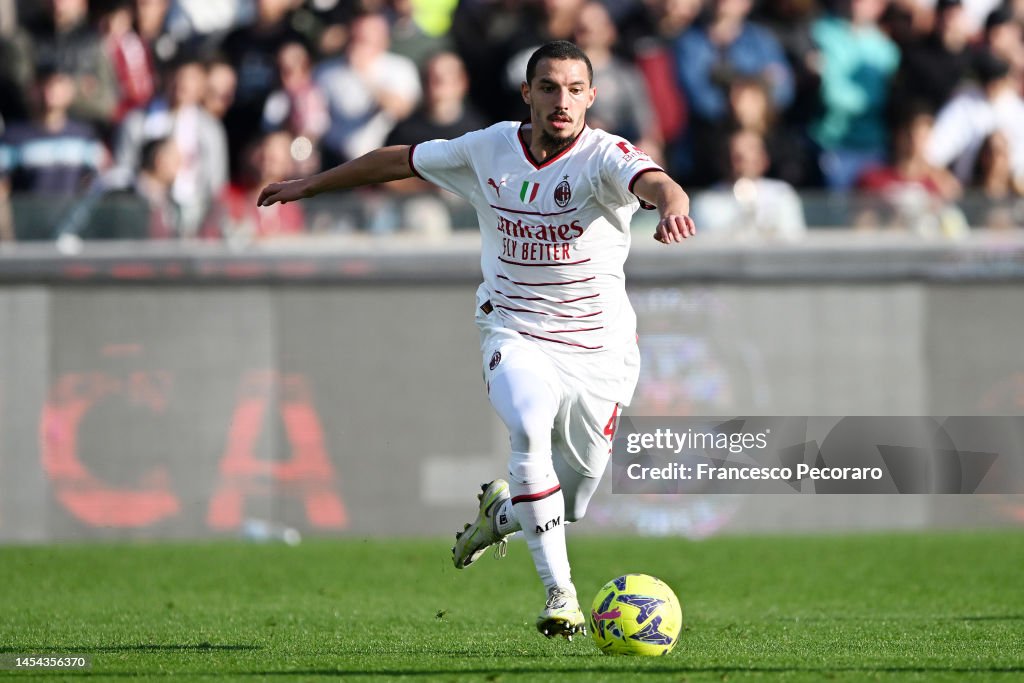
(563, 193)
(495, 359)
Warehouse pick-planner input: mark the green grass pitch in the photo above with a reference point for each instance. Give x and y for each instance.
(920, 607)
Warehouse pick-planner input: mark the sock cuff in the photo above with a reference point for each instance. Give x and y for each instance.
(534, 497)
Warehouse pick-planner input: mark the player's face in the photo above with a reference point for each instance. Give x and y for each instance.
(559, 97)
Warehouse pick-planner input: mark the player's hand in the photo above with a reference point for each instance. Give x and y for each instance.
(675, 228)
(288, 191)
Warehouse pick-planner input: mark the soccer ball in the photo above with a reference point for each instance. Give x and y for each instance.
(636, 614)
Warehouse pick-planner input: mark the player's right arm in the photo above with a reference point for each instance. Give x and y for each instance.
(379, 166)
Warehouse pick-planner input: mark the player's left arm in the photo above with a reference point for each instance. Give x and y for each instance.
(657, 188)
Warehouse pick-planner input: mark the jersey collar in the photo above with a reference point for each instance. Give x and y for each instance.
(529, 155)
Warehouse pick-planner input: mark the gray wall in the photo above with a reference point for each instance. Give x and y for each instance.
(178, 410)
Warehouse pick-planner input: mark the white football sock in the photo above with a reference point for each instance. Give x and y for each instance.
(527, 405)
(540, 510)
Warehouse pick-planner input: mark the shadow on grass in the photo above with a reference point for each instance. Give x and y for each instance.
(863, 619)
(138, 647)
(535, 672)
(597, 669)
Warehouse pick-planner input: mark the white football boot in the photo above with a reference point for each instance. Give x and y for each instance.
(475, 538)
(562, 615)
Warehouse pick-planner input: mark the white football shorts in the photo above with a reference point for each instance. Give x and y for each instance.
(591, 388)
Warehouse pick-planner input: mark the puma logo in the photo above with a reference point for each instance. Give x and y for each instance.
(497, 186)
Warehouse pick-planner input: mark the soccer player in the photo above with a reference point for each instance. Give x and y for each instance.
(558, 336)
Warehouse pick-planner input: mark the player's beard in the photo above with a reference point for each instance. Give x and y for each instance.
(553, 145)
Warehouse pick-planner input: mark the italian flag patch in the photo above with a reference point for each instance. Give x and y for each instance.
(529, 191)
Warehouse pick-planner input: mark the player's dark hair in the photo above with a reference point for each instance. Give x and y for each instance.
(558, 49)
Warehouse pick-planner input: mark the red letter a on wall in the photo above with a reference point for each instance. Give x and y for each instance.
(309, 473)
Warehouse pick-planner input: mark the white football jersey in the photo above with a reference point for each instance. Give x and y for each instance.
(555, 234)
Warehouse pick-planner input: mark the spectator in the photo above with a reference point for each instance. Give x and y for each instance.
(53, 153)
(199, 136)
(977, 12)
(751, 109)
(299, 106)
(221, 84)
(52, 157)
(485, 33)
(910, 168)
(120, 206)
(673, 17)
(1001, 204)
(253, 51)
(911, 192)
(933, 66)
(993, 172)
(445, 113)
(236, 217)
(724, 46)
(15, 75)
(858, 63)
(791, 21)
(709, 55)
(750, 203)
(624, 107)
(556, 21)
(648, 34)
(161, 163)
(196, 20)
(407, 35)
(962, 126)
(638, 23)
(368, 91)
(133, 65)
(1005, 38)
(151, 24)
(62, 36)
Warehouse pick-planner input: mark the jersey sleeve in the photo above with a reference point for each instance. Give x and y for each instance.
(447, 163)
(622, 166)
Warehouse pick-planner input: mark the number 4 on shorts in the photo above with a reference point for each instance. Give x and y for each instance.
(609, 429)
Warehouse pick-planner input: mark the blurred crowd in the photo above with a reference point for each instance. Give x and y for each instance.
(162, 119)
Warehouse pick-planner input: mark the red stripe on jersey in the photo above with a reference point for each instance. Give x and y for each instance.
(553, 263)
(579, 298)
(411, 166)
(529, 155)
(580, 329)
(534, 497)
(578, 317)
(532, 213)
(540, 298)
(522, 298)
(521, 310)
(554, 315)
(559, 341)
(549, 284)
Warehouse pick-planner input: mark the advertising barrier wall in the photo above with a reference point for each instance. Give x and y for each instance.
(189, 406)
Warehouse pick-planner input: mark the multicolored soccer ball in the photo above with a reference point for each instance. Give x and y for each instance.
(636, 614)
